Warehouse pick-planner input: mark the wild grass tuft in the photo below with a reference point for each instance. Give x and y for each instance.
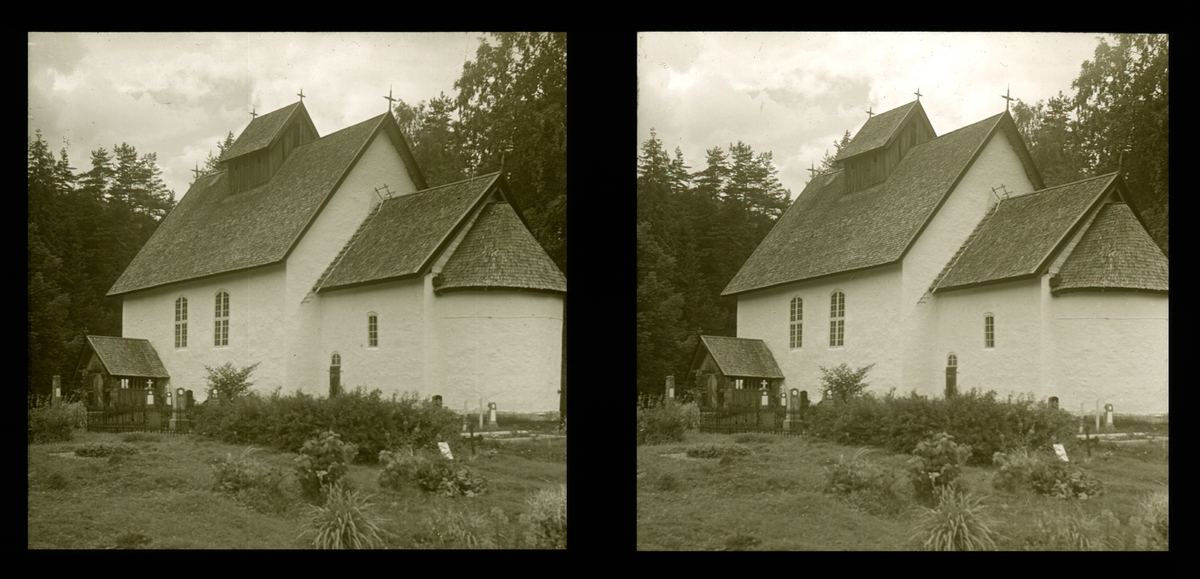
(346, 521)
(958, 523)
(546, 521)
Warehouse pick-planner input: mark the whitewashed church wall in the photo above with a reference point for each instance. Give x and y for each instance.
(871, 335)
(394, 365)
(255, 328)
(501, 346)
(380, 164)
(1112, 347)
(967, 204)
(1013, 365)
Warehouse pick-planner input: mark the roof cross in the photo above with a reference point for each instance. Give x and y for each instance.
(871, 114)
(301, 94)
(812, 170)
(253, 114)
(197, 171)
(918, 93)
(1007, 99)
(389, 98)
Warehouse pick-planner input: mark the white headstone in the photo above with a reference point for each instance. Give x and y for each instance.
(445, 448)
(1061, 452)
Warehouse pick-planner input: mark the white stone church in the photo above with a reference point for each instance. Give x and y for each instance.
(330, 263)
(946, 262)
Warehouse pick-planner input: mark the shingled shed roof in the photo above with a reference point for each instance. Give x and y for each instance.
(1021, 234)
(741, 356)
(879, 129)
(128, 357)
(1116, 252)
(827, 231)
(212, 231)
(500, 252)
(405, 233)
(260, 132)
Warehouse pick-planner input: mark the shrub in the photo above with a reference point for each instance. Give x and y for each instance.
(1014, 469)
(430, 472)
(251, 482)
(226, 383)
(845, 382)
(857, 474)
(322, 462)
(935, 464)
(54, 422)
(102, 449)
(958, 523)
(1057, 479)
(716, 450)
(346, 521)
(1073, 531)
(468, 529)
(546, 519)
(661, 421)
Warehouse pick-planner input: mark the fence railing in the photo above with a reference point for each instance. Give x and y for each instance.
(775, 419)
(137, 419)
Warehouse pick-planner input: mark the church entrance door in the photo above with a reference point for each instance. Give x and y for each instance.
(335, 376)
(951, 376)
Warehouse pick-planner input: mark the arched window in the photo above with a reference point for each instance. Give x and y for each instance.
(837, 319)
(336, 360)
(797, 333)
(952, 361)
(372, 330)
(989, 331)
(221, 320)
(181, 322)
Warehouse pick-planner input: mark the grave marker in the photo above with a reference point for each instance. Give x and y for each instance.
(1061, 452)
(445, 448)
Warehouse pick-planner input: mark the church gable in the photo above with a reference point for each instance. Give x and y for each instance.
(265, 144)
(499, 252)
(882, 143)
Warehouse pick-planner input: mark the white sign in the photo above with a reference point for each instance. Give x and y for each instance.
(1061, 452)
(445, 447)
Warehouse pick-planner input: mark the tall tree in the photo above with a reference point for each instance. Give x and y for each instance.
(212, 163)
(828, 162)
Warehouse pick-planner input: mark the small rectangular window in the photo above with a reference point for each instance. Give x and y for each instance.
(989, 332)
(373, 331)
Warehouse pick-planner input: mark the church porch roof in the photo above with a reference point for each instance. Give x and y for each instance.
(127, 357)
(741, 356)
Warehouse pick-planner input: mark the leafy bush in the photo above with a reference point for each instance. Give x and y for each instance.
(1015, 468)
(958, 523)
(716, 450)
(845, 382)
(430, 472)
(346, 521)
(468, 529)
(935, 464)
(661, 421)
(856, 474)
(365, 419)
(546, 519)
(54, 422)
(226, 382)
(1058, 479)
(982, 421)
(103, 449)
(322, 462)
(251, 482)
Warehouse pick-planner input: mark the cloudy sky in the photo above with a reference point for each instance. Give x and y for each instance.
(795, 94)
(178, 94)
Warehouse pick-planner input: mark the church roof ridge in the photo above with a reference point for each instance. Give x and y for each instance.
(261, 131)
(878, 130)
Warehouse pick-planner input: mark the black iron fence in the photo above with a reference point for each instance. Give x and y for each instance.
(138, 419)
(769, 419)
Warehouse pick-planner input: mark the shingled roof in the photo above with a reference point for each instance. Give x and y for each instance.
(260, 132)
(742, 356)
(827, 231)
(212, 231)
(128, 357)
(878, 130)
(405, 233)
(500, 252)
(1022, 232)
(1116, 252)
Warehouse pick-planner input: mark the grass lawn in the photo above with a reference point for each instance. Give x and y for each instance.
(162, 497)
(773, 498)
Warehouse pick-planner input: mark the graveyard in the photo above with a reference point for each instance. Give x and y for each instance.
(757, 491)
(157, 491)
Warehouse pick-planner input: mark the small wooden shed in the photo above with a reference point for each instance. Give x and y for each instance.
(121, 372)
(735, 372)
